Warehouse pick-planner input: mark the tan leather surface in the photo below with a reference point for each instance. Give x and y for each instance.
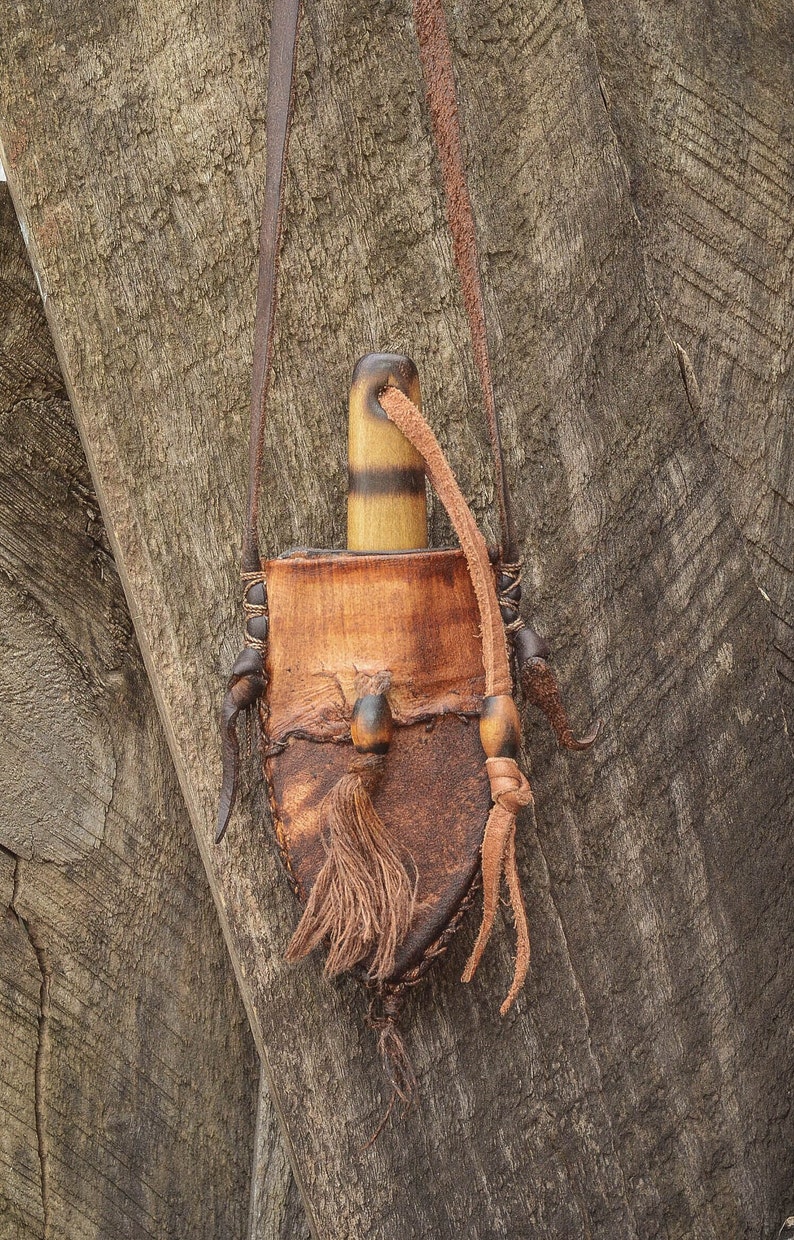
(434, 797)
(496, 662)
(333, 614)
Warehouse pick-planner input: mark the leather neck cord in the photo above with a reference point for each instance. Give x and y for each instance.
(284, 22)
(436, 58)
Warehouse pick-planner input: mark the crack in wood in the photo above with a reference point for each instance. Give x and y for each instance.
(43, 1045)
(581, 995)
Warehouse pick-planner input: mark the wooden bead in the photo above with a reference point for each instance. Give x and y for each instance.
(372, 726)
(500, 726)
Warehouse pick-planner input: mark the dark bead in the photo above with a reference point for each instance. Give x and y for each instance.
(528, 644)
(509, 584)
(255, 594)
(256, 628)
(247, 663)
(372, 726)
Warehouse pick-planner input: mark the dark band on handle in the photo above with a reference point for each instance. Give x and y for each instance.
(386, 480)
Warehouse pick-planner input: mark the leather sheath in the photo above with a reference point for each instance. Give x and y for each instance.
(413, 614)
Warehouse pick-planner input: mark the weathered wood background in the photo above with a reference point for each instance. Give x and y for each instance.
(699, 97)
(641, 1087)
(127, 1069)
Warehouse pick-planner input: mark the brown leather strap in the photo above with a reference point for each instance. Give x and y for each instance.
(247, 681)
(510, 788)
(436, 57)
(284, 22)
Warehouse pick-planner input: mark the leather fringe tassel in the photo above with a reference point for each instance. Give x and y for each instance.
(362, 902)
(510, 791)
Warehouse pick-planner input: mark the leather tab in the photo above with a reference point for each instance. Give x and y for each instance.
(246, 685)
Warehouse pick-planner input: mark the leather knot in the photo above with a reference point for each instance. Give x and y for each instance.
(510, 791)
(509, 785)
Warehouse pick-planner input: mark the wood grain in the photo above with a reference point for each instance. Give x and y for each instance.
(277, 1211)
(639, 1086)
(701, 108)
(127, 1070)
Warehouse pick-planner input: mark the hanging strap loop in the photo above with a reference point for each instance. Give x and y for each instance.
(247, 682)
(436, 59)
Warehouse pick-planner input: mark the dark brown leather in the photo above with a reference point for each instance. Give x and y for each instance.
(245, 686)
(540, 689)
(434, 797)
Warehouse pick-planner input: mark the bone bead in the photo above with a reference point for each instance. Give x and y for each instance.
(500, 726)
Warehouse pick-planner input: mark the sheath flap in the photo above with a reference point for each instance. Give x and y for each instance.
(336, 613)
